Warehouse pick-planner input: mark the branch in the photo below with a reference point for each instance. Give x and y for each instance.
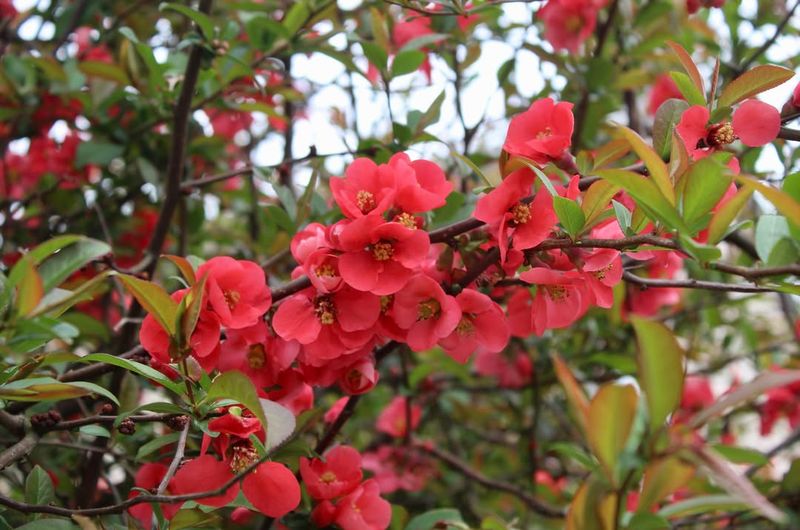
(177, 155)
(18, 450)
(462, 467)
(768, 44)
(176, 460)
(789, 134)
(694, 284)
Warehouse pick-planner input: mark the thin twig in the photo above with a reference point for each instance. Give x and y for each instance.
(176, 460)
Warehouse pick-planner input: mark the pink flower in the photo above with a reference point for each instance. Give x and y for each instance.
(366, 188)
(237, 291)
(203, 344)
(561, 299)
(271, 488)
(338, 474)
(482, 324)
(360, 377)
(602, 270)
(426, 312)
(756, 123)
(256, 353)
(543, 132)
(511, 368)
(567, 23)
(663, 89)
(335, 410)
(328, 325)
(392, 420)
(427, 190)
(398, 468)
(362, 509)
(380, 257)
(149, 477)
(526, 223)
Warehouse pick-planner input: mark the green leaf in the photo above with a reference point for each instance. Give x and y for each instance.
(703, 505)
(189, 312)
(741, 455)
(57, 301)
(609, 422)
(49, 389)
(154, 299)
(570, 215)
(667, 117)
(107, 71)
(95, 430)
(752, 82)
(184, 266)
(623, 216)
(704, 185)
(659, 173)
(662, 477)
(155, 444)
(689, 66)
(195, 518)
(687, 88)
(31, 288)
(648, 521)
(431, 115)
(97, 153)
(596, 199)
(135, 367)
(39, 487)
(646, 195)
(435, 519)
(60, 266)
(202, 20)
(770, 230)
(238, 387)
(375, 54)
(407, 62)
(296, 17)
(49, 524)
(784, 202)
(723, 218)
(660, 369)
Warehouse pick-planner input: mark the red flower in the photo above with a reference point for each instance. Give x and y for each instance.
(392, 420)
(602, 270)
(398, 468)
(256, 353)
(504, 210)
(561, 299)
(203, 344)
(663, 89)
(424, 310)
(482, 324)
(271, 488)
(428, 189)
(363, 509)
(149, 477)
(366, 188)
(380, 257)
(756, 123)
(338, 474)
(359, 377)
(543, 132)
(567, 23)
(335, 410)
(237, 291)
(328, 324)
(511, 368)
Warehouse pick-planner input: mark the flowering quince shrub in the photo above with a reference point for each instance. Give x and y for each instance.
(403, 264)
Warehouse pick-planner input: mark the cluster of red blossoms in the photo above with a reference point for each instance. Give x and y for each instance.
(375, 276)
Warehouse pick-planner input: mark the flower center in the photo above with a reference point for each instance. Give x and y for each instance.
(325, 271)
(556, 292)
(521, 213)
(601, 273)
(328, 477)
(365, 201)
(386, 303)
(382, 251)
(573, 23)
(428, 309)
(325, 310)
(407, 220)
(232, 298)
(547, 131)
(720, 134)
(244, 454)
(256, 356)
(465, 327)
